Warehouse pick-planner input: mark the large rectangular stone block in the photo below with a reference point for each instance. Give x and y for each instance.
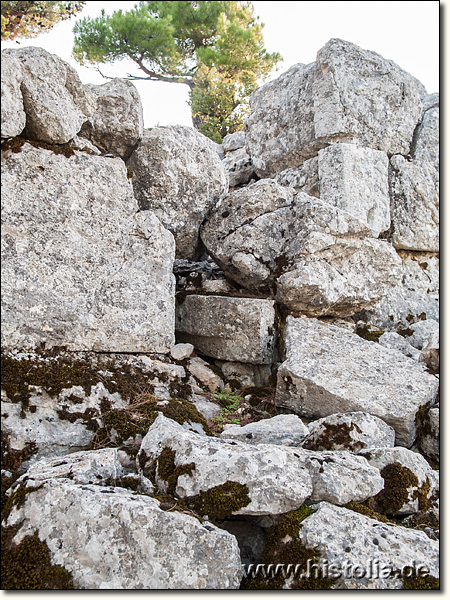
(234, 329)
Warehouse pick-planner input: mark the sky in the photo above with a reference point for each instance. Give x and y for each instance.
(406, 32)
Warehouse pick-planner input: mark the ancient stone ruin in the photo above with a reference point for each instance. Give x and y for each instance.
(218, 357)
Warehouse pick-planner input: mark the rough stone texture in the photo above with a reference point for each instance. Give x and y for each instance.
(234, 329)
(180, 177)
(13, 113)
(233, 141)
(329, 370)
(356, 180)
(118, 123)
(415, 186)
(246, 374)
(99, 467)
(422, 330)
(181, 351)
(81, 268)
(340, 477)
(201, 371)
(382, 457)
(415, 297)
(282, 430)
(344, 537)
(56, 102)
(415, 206)
(304, 178)
(114, 539)
(351, 431)
(239, 167)
(393, 340)
(81, 143)
(430, 352)
(338, 280)
(277, 481)
(429, 440)
(278, 478)
(347, 95)
(316, 255)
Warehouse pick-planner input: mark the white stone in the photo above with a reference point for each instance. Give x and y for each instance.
(356, 180)
(178, 174)
(118, 122)
(430, 352)
(233, 141)
(422, 330)
(344, 537)
(239, 167)
(81, 268)
(56, 102)
(351, 431)
(304, 178)
(429, 442)
(282, 430)
(181, 351)
(328, 370)
(393, 340)
(114, 539)
(13, 113)
(201, 371)
(233, 329)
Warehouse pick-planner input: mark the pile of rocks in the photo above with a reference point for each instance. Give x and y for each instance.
(216, 356)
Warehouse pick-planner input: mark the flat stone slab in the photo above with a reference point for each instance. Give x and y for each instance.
(233, 329)
(329, 370)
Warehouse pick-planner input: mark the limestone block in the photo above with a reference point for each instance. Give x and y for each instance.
(13, 113)
(328, 370)
(81, 268)
(178, 174)
(282, 430)
(233, 329)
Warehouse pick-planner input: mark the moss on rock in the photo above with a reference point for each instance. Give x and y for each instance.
(220, 501)
(398, 480)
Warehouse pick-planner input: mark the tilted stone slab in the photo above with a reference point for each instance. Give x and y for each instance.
(347, 95)
(13, 113)
(178, 174)
(328, 370)
(115, 539)
(56, 103)
(81, 267)
(234, 329)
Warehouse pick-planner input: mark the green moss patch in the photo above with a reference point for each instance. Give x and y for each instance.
(397, 481)
(220, 501)
(16, 144)
(416, 582)
(169, 471)
(284, 548)
(28, 566)
(362, 509)
(335, 436)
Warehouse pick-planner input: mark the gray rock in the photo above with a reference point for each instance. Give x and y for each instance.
(239, 167)
(201, 371)
(429, 441)
(56, 102)
(81, 268)
(304, 178)
(118, 122)
(356, 180)
(233, 141)
(415, 206)
(348, 95)
(13, 113)
(421, 332)
(276, 480)
(329, 370)
(282, 430)
(415, 297)
(246, 374)
(316, 255)
(416, 465)
(393, 340)
(234, 329)
(81, 143)
(353, 431)
(356, 550)
(114, 539)
(181, 351)
(430, 352)
(179, 176)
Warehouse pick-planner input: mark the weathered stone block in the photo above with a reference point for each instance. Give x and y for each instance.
(13, 113)
(329, 370)
(234, 329)
(81, 267)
